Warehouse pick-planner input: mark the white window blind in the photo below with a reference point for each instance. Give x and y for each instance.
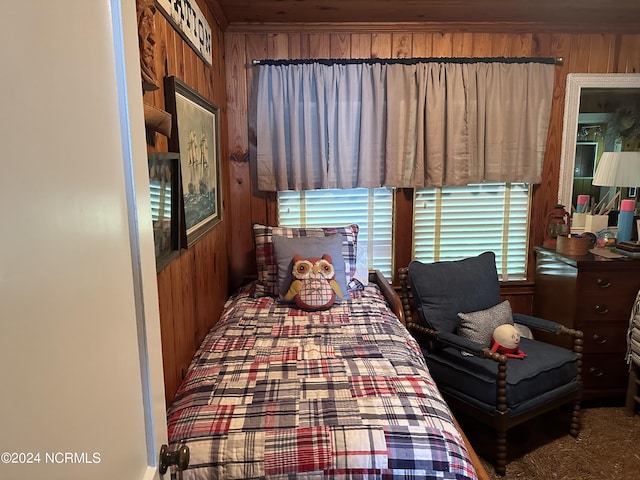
(370, 208)
(451, 223)
(160, 200)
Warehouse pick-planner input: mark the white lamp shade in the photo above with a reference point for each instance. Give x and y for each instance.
(618, 169)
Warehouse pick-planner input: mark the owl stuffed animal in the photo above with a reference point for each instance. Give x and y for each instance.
(314, 286)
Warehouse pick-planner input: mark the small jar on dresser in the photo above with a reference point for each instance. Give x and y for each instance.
(593, 294)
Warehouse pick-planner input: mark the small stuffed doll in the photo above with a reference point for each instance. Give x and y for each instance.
(314, 287)
(506, 341)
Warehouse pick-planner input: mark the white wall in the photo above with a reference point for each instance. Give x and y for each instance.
(72, 293)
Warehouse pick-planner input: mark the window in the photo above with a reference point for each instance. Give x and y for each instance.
(371, 209)
(451, 223)
(160, 200)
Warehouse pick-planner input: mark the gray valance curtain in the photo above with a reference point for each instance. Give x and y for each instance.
(347, 125)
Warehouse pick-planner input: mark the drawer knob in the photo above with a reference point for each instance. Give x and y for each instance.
(599, 340)
(596, 372)
(601, 308)
(603, 282)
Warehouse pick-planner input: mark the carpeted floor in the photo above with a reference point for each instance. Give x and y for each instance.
(608, 447)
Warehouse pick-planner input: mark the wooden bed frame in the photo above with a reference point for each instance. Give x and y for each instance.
(394, 301)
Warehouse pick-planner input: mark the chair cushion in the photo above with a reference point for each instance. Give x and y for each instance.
(547, 368)
(479, 326)
(441, 290)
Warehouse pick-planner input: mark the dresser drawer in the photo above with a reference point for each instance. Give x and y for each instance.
(620, 284)
(605, 337)
(604, 371)
(603, 308)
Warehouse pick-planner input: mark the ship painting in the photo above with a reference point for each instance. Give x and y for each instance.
(198, 160)
(198, 180)
(197, 131)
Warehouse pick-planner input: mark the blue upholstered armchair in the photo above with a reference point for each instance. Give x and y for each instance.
(457, 306)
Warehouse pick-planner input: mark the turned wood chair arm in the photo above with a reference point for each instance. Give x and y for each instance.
(545, 325)
(553, 327)
(458, 342)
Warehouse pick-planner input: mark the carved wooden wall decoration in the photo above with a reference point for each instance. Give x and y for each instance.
(146, 9)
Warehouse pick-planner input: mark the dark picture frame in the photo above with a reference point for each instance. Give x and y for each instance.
(195, 135)
(164, 184)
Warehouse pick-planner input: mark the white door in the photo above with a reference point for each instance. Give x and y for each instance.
(81, 390)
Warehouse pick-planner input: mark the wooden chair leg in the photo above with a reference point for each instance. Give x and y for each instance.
(574, 428)
(632, 392)
(501, 452)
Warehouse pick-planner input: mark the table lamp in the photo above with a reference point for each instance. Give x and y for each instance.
(619, 169)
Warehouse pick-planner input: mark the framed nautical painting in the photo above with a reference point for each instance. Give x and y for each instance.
(195, 135)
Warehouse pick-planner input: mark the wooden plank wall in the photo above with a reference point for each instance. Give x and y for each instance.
(193, 288)
(585, 53)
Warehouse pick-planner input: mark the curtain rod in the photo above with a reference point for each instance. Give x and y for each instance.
(412, 61)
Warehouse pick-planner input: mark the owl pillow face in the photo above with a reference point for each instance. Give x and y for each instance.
(313, 286)
(306, 248)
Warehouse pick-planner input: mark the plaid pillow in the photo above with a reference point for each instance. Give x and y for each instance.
(267, 285)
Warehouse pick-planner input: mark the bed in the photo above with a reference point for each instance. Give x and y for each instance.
(278, 392)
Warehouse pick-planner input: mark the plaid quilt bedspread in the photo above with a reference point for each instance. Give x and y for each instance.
(278, 393)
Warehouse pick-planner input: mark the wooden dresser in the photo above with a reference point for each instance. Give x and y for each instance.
(595, 295)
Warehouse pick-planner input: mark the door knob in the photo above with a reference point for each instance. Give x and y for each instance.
(179, 457)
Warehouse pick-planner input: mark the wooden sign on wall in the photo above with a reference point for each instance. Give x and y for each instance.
(187, 18)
